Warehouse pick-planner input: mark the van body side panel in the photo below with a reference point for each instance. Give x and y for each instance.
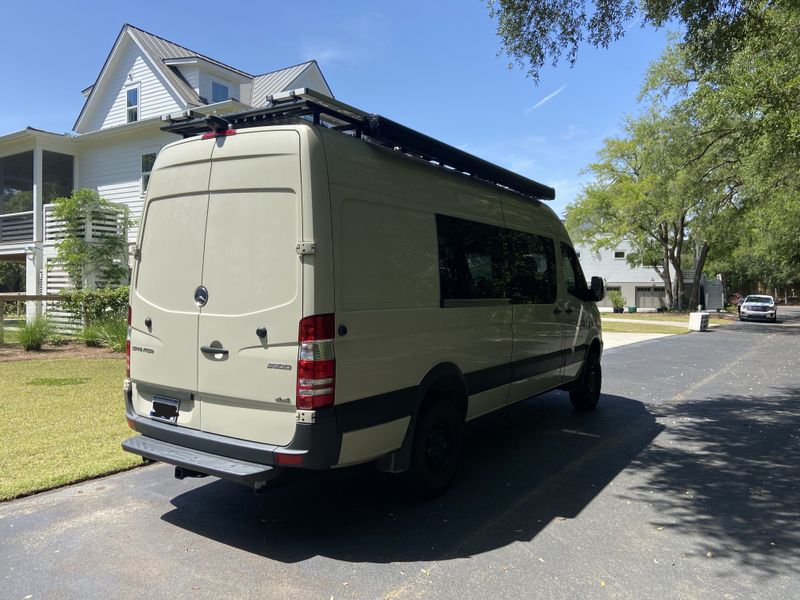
(253, 275)
(318, 282)
(166, 274)
(386, 267)
(538, 332)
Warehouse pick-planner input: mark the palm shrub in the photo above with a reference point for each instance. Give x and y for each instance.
(112, 333)
(90, 335)
(35, 332)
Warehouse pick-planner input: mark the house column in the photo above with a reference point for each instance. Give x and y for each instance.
(33, 254)
(33, 272)
(38, 200)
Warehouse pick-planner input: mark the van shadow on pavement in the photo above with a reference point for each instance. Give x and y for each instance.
(520, 471)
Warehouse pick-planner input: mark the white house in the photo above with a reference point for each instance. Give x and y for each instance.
(116, 137)
(640, 286)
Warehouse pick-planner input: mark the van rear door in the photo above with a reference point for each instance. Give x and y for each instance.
(164, 315)
(248, 329)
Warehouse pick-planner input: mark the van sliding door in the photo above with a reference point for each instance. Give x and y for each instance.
(536, 355)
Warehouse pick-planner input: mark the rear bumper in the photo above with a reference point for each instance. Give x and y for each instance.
(227, 468)
(314, 446)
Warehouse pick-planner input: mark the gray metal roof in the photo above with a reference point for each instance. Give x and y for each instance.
(277, 81)
(160, 50)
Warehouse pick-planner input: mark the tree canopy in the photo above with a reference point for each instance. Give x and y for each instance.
(539, 32)
(716, 153)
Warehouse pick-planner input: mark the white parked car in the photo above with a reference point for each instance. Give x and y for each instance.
(759, 307)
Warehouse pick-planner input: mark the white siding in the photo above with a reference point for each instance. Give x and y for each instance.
(129, 67)
(114, 169)
(192, 75)
(614, 270)
(312, 79)
(205, 86)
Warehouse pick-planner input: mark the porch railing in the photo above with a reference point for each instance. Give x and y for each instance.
(98, 225)
(16, 227)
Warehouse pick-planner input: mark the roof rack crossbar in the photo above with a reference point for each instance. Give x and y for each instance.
(324, 111)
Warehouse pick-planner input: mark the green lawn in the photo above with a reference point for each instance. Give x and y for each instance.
(678, 318)
(639, 327)
(61, 421)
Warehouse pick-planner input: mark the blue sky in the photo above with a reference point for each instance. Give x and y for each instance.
(433, 66)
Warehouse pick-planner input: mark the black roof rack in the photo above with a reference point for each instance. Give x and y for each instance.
(325, 111)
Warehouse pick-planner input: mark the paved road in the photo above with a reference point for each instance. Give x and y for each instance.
(684, 484)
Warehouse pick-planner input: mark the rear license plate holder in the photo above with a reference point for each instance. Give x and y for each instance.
(165, 409)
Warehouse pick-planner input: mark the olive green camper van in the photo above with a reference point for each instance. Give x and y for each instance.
(315, 286)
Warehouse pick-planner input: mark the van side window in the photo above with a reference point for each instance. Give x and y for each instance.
(532, 268)
(471, 265)
(573, 275)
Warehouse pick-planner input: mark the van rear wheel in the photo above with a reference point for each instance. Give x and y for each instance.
(438, 440)
(585, 392)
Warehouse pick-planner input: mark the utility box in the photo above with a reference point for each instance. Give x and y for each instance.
(698, 321)
(715, 294)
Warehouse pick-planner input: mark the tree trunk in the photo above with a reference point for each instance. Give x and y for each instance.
(664, 274)
(679, 288)
(699, 264)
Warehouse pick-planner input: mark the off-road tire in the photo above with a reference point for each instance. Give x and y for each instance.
(585, 392)
(435, 454)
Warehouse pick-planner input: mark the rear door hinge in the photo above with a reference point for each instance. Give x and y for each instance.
(303, 248)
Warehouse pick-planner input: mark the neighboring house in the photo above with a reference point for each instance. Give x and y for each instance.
(640, 286)
(116, 138)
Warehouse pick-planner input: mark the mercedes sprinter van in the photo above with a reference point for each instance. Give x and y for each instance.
(314, 287)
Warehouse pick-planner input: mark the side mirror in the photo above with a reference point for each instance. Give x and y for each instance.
(597, 289)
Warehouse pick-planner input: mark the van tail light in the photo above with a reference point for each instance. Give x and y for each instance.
(316, 363)
(128, 346)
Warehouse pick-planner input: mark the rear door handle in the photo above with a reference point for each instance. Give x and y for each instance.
(568, 310)
(556, 310)
(211, 350)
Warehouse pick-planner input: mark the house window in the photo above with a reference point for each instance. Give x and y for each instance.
(147, 166)
(219, 92)
(132, 104)
(619, 254)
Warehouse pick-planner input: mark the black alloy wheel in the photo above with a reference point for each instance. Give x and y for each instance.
(438, 440)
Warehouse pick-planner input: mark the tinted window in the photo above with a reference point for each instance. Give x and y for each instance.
(490, 263)
(573, 275)
(532, 268)
(471, 265)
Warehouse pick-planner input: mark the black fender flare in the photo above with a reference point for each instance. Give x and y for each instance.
(444, 375)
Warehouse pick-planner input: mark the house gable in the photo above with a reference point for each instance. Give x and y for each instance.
(313, 79)
(306, 74)
(127, 66)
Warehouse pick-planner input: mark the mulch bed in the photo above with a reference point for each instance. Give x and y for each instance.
(9, 352)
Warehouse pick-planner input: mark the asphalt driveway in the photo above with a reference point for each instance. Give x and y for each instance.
(683, 484)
